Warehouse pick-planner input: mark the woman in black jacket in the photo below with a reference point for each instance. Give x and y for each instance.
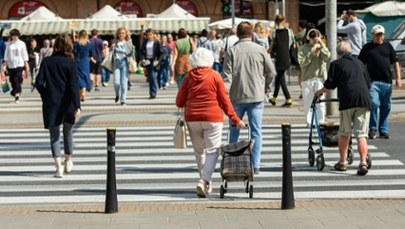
(150, 55)
(57, 82)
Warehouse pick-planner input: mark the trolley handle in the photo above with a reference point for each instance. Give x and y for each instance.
(246, 127)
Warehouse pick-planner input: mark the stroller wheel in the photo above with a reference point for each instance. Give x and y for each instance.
(320, 162)
(369, 161)
(311, 156)
(350, 156)
(251, 192)
(221, 192)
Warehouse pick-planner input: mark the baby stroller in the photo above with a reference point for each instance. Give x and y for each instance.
(327, 134)
(236, 164)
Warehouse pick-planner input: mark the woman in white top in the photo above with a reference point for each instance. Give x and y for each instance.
(16, 58)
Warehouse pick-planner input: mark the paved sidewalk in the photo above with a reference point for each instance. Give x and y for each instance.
(367, 214)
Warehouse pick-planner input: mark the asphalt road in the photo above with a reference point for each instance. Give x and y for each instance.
(396, 144)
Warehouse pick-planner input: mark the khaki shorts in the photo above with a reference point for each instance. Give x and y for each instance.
(359, 117)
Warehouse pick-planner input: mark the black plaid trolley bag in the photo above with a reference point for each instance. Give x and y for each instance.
(236, 164)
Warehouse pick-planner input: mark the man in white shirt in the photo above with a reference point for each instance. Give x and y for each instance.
(228, 42)
(16, 58)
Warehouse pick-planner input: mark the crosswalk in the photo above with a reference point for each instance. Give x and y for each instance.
(150, 169)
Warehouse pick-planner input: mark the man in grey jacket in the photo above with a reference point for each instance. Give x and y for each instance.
(247, 73)
(355, 30)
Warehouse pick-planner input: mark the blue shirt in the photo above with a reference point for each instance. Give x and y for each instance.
(96, 48)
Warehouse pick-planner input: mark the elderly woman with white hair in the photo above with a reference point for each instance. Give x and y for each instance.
(203, 97)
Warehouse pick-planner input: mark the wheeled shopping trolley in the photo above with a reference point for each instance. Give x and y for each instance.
(327, 135)
(236, 164)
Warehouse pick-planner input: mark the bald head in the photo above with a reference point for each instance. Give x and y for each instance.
(344, 48)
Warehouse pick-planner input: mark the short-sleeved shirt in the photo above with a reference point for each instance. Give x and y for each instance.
(378, 59)
(351, 78)
(97, 49)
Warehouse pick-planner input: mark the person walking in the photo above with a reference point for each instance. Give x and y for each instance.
(33, 58)
(184, 46)
(122, 49)
(171, 43)
(105, 73)
(355, 28)
(150, 55)
(203, 97)
(2, 53)
(312, 58)
(350, 77)
(45, 51)
(378, 56)
(164, 60)
(57, 83)
(247, 74)
(82, 54)
(95, 61)
(282, 39)
(16, 59)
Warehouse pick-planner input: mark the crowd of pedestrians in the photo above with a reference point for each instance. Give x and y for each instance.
(233, 72)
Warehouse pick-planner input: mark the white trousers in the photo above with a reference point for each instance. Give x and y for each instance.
(309, 87)
(206, 139)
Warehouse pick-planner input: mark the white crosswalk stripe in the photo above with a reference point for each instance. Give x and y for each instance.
(150, 169)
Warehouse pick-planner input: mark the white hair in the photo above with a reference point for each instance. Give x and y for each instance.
(202, 57)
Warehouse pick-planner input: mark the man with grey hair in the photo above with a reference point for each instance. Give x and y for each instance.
(350, 76)
(247, 72)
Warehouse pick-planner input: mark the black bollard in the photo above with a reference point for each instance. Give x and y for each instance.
(287, 201)
(111, 200)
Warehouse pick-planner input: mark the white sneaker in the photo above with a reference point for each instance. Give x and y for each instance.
(68, 166)
(59, 172)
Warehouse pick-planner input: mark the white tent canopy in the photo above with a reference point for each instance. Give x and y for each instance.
(107, 20)
(227, 23)
(384, 9)
(42, 13)
(107, 12)
(175, 11)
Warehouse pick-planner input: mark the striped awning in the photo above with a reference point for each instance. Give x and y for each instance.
(105, 26)
(174, 24)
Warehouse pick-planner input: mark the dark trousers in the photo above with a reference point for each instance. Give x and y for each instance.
(15, 80)
(280, 81)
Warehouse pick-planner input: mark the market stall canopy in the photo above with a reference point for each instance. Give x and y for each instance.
(42, 27)
(42, 13)
(107, 20)
(175, 11)
(227, 23)
(385, 9)
(174, 18)
(107, 12)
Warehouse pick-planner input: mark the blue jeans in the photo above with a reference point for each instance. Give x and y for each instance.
(121, 79)
(380, 93)
(105, 75)
(54, 134)
(255, 113)
(217, 67)
(153, 81)
(163, 75)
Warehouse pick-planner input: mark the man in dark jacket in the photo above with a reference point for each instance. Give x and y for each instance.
(351, 78)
